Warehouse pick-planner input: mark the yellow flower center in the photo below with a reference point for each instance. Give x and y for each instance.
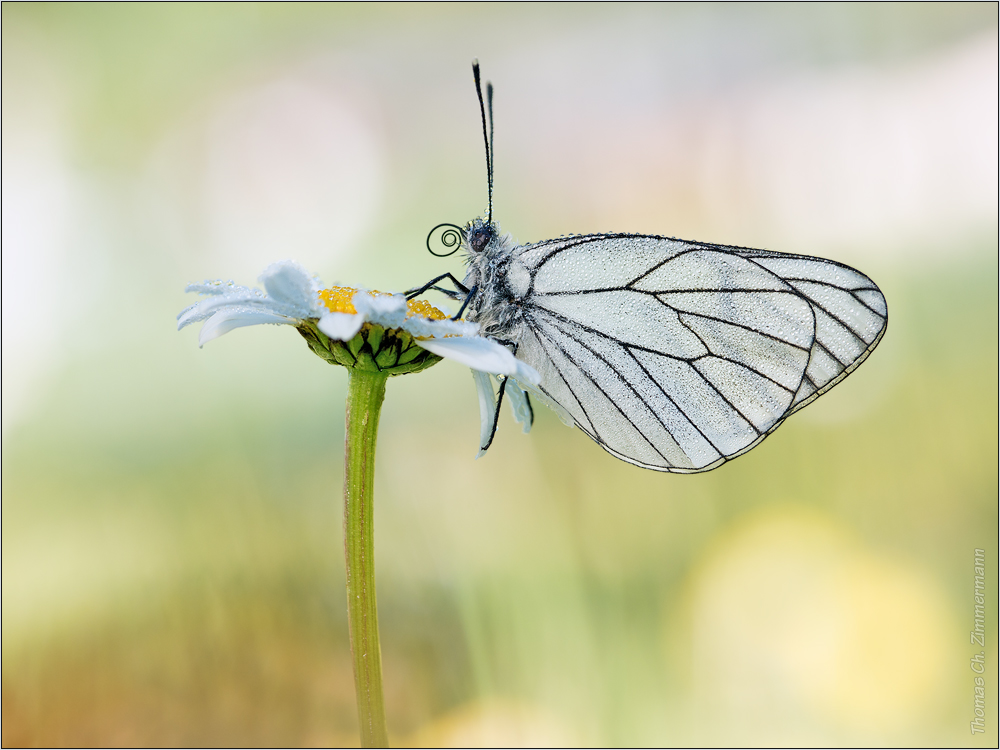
(338, 299)
(424, 309)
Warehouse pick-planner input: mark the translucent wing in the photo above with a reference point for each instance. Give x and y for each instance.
(678, 356)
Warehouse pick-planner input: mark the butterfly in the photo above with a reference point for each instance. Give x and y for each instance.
(670, 354)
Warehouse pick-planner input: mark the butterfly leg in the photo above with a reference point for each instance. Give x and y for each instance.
(496, 416)
(459, 286)
(527, 419)
(468, 298)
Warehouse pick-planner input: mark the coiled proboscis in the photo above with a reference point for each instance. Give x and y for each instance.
(452, 237)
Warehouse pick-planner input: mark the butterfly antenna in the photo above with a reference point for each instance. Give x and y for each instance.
(489, 112)
(487, 134)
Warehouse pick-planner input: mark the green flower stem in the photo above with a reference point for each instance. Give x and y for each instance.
(366, 390)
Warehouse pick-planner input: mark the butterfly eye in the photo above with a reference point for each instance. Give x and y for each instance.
(479, 239)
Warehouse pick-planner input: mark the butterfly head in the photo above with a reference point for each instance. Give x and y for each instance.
(479, 234)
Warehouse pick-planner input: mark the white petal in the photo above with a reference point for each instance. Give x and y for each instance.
(388, 312)
(420, 326)
(519, 403)
(240, 297)
(187, 315)
(226, 320)
(216, 286)
(487, 408)
(341, 326)
(483, 355)
(290, 284)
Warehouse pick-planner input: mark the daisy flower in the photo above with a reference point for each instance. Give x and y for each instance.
(360, 329)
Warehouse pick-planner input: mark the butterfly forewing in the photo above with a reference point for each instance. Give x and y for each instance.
(677, 356)
(574, 264)
(850, 316)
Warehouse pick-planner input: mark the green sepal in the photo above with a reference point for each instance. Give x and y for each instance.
(355, 344)
(390, 351)
(375, 334)
(408, 354)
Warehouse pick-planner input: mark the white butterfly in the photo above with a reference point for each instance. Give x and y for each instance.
(672, 355)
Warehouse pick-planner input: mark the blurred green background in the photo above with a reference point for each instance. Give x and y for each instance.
(172, 543)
